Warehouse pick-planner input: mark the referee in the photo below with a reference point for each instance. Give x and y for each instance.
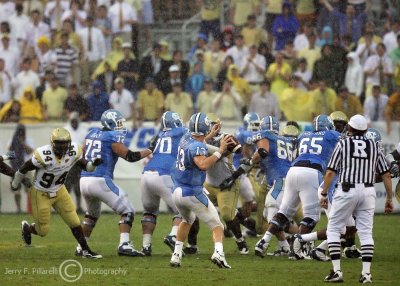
(359, 159)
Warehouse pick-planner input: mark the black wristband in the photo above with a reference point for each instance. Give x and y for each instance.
(133, 156)
(324, 195)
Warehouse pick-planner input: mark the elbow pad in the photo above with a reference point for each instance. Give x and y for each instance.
(133, 156)
(263, 153)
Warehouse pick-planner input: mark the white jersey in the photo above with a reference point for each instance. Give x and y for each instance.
(220, 171)
(52, 172)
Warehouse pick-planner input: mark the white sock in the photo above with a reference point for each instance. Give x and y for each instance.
(178, 247)
(336, 265)
(323, 245)
(267, 236)
(366, 267)
(123, 237)
(284, 244)
(146, 239)
(174, 230)
(310, 236)
(219, 247)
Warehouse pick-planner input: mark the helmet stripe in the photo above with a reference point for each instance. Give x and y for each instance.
(196, 122)
(316, 123)
(163, 121)
(270, 123)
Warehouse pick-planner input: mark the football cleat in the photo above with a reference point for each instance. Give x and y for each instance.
(146, 250)
(319, 254)
(78, 250)
(242, 246)
(351, 252)
(175, 260)
(219, 259)
(365, 278)
(90, 254)
(280, 251)
(261, 248)
(297, 247)
(126, 249)
(335, 277)
(191, 249)
(170, 240)
(26, 233)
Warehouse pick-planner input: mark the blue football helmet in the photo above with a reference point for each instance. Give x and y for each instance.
(251, 121)
(113, 120)
(322, 123)
(270, 123)
(170, 120)
(199, 124)
(373, 134)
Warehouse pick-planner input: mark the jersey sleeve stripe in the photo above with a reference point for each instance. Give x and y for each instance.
(38, 159)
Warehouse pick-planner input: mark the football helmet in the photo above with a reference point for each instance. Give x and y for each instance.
(170, 120)
(199, 124)
(251, 121)
(270, 123)
(340, 120)
(113, 120)
(60, 141)
(322, 123)
(290, 131)
(373, 134)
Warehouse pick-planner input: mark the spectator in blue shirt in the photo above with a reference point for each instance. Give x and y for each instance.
(98, 102)
(285, 27)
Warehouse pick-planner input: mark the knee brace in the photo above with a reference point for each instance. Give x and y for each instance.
(308, 222)
(127, 219)
(280, 220)
(149, 217)
(90, 221)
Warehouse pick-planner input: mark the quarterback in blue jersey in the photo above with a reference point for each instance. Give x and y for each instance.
(303, 180)
(156, 181)
(97, 187)
(189, 196)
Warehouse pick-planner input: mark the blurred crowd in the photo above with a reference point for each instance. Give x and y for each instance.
(290, 59)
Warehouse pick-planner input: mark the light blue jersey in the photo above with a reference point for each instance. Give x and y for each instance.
(166, 151)
(244, 137)
(98, 145)
(277, 163)
(317, 147)
(186, 174)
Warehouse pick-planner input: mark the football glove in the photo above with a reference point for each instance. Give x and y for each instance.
(246, 161)
(227, 184)
(394, 169)
(98, 161)
(10, 155)
(153, 143)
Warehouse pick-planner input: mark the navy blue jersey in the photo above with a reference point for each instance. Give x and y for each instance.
(317, 147)
(244, 137)
(277, 163)
(166, 151)
(186, 174)
(98, 145)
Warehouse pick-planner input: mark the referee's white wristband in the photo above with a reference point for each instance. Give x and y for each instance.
(217, 154)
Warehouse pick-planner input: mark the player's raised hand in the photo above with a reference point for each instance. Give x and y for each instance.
(223, 144)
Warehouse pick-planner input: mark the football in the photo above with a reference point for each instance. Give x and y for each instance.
(234, 146)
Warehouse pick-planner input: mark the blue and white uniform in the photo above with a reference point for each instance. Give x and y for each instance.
(275, 166)
(98, 186)
(305, 175)
(189, 194)
(156, 181)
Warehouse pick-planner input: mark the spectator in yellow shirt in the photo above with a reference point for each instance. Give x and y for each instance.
(31, 109)
(150, 102)
(228, 103)
(206, 97)
(213, 59)
(241, 9)
(53, 100)
(348, 103)
(210, 12)
(179, 102)
(324, 99)
(279, 74)
(253, 35)
(241, 86)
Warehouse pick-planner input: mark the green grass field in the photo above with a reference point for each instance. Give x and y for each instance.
(38, 265)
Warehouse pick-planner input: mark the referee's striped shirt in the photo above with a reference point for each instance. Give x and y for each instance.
(358, 159)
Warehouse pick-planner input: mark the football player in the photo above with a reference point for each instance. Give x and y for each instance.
(98, 186)
(189, 195)
(302, 180)
(52, 164)
(4, 168)
(226, 199)
(156, 182)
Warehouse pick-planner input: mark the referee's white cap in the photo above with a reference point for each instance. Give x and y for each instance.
(358, 122)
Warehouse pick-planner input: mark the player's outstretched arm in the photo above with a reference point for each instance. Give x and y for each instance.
(122, 151)
(20, 175)
(4, 168)
(204, 163)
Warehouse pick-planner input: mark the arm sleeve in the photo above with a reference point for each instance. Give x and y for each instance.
(381, 165)
(37, 160)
